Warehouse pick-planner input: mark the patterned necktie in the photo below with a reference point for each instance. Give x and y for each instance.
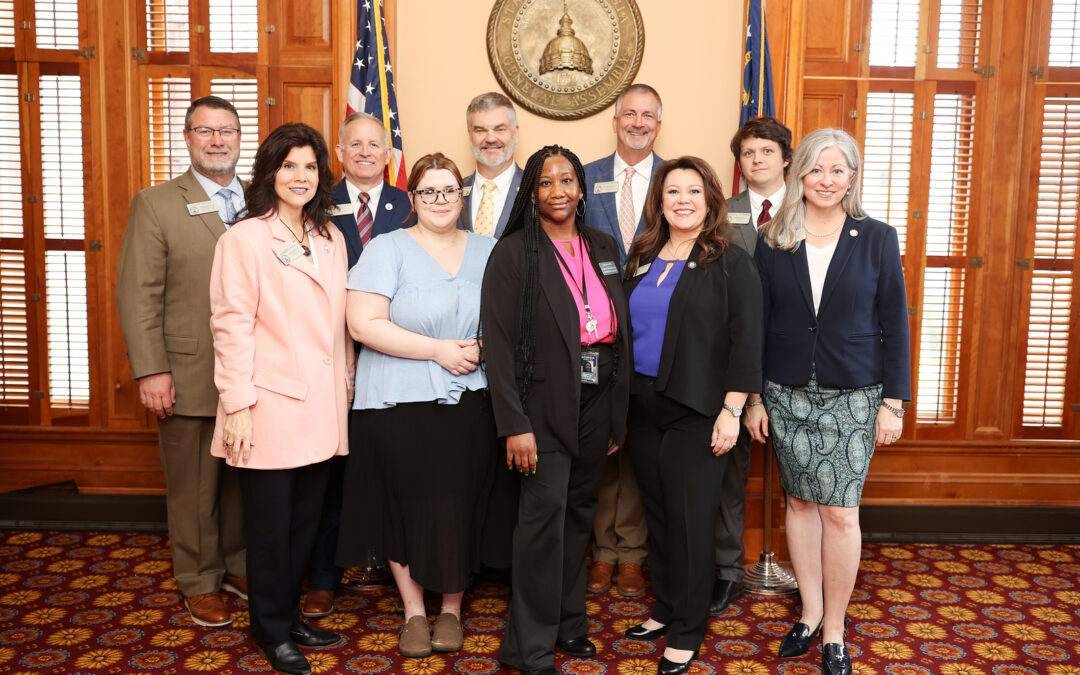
(626, 210)
(765, 216)
(230, 210)
(364, 221)
(485, 214)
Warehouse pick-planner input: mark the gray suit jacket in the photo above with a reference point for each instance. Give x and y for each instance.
(163, 290)
(465, 219)
(745, 234)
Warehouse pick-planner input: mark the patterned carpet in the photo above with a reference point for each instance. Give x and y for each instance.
(106, 603)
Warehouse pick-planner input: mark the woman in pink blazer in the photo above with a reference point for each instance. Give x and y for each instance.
(283, 366)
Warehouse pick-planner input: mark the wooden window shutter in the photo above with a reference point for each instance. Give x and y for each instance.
(243, 93)
(56, 24)
(959, 32)
(887, 148)
(1065, 34)
(167, 26)
(7, 24)
(168, 99)
(14, 329)
(234, 26)
(894, 33)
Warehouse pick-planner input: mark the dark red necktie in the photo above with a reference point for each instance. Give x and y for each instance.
(364, 219)
(765, 215)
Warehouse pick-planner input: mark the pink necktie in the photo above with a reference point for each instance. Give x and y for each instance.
(364, 221)
(627, 226)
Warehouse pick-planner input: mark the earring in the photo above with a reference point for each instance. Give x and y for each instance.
(580, 210)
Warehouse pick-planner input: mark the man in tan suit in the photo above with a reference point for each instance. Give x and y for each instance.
(163, 296)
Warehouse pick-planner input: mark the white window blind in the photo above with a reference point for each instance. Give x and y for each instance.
(56, 24)
(1065, 33)
(894, 33)
(69, 338)
(168, 99)
(167, 26)
(234, 26)
(14, 337)
(11, 202)
(244, 95)
(959, 30)
(887, 158)
(7, 23)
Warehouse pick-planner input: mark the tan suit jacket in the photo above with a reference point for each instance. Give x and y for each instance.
(163, 290)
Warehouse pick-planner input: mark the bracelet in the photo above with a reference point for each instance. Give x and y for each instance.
(899, 412)
(750, 403)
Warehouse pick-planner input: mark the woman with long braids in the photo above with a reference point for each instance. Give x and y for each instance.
(558, 360)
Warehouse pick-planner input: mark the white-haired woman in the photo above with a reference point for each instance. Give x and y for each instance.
(837, 369)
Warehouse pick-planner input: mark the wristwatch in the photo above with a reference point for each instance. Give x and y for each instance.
(899, 412)
(735, 410)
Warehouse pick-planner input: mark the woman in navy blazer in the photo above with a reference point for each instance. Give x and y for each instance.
(836, 372)
(695, 309)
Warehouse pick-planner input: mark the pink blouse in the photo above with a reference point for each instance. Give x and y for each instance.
(576, 266)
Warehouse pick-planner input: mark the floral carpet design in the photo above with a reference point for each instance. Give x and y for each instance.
(78, 603)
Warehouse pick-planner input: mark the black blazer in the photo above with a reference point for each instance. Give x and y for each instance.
(393, 213)
(712, 339)
(553, 399)
(859, 336)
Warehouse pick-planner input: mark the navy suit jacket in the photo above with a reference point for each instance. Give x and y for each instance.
(601, 210)
(859, 336)
(393, 213)
(465, 219)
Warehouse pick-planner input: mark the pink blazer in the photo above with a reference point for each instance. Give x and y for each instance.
(280, 343)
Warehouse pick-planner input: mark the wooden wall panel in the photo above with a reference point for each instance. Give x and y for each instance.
(833, 29)
(310, 103)
(828, 103)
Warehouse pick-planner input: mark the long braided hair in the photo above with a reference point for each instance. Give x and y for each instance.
(524, 215)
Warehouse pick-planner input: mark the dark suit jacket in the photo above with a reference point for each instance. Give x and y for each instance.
(743, 234)
(163, 290)
(712, 338)
(465, 219)
(860, 334)
(554, 394)
(601, 210)
(393, 213)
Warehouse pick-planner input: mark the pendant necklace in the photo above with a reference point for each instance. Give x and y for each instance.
(299, 240)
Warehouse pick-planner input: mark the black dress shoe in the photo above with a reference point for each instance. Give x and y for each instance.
(546, 670)
(307, 636)
(835, 659)
(285, 657)
(672, 668)
(639, 632)
(797, 641)
(723, 592)
(581, 647)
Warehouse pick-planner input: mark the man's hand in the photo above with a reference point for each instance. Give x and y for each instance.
(158, 393)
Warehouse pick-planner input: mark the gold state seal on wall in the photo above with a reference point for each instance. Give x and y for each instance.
(565, 59)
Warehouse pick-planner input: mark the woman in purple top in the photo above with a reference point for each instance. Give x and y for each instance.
(695, 313)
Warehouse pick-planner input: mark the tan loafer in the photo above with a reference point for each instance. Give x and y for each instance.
(208, 609)
(447, 636)
(415, 638)
(318, 604)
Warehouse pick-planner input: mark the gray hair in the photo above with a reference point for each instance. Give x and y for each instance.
(788, 227)
(640, 88)
(490, 101)
(361, 115)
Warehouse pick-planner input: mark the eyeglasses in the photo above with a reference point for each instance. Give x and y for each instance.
(431, 195)
(205, 133)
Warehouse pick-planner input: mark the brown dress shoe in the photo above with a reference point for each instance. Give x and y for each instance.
(209, 610)
(447, 636)
(415, 638)
(630, 583)
(599, 579)
(235, 585)
(318, 604)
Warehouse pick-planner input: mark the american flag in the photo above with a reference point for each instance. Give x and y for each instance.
(757, 89)
(371, 86)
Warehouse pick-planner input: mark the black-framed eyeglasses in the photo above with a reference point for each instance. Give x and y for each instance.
(205, 133)
(431, 195)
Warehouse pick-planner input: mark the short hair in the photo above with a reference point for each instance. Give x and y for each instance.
(640, 88)
(209, 102)
(767, 128)
(490, 101)
(432, 162)
(788, 226)
(361, 115)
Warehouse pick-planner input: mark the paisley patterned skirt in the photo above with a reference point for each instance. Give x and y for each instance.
(823, 438)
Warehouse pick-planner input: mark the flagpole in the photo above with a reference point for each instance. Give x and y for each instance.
(767, 576)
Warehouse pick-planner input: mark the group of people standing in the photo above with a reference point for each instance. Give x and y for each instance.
(511, 345)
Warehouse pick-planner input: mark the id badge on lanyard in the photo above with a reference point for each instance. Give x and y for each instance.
(590, 366)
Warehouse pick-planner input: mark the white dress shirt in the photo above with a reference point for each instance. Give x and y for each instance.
(639, 185)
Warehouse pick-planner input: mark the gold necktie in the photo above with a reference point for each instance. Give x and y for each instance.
(485, 214)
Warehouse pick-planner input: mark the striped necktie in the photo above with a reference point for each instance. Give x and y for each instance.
(230, 210)
(485, 213)
(364, 221)
(627, 226)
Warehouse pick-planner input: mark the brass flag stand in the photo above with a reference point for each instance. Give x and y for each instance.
(767, 576)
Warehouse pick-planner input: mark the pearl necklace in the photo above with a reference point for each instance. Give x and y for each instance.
(827, 234)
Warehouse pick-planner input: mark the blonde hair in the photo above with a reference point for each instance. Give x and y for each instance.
(787, 228)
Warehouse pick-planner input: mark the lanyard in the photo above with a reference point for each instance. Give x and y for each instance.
(590, 321)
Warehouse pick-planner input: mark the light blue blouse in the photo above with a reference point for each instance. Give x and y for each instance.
(424, 299)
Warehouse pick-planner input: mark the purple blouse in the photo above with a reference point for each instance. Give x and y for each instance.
(648, 313)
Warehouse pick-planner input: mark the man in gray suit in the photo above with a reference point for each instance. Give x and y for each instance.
(163, 297)
(490, 192)
(762, 147)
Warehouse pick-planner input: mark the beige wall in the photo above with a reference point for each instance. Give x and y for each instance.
(692, 57)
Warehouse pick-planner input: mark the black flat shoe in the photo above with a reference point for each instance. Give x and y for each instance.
(797, 641)
(639, 632)
(285, 657)
(581, 647)
(672, 668)
(723, 593)
(835, 659)
(307, 636)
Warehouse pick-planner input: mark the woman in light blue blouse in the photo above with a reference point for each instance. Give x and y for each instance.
(422, 424)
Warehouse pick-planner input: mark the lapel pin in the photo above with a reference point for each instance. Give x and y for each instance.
(389, 207)
(853, 232)
(326, 247)
(691, 264)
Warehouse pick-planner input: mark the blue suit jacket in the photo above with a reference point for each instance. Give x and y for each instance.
(394, 208)
(601, 210)
(859, 336)
(465, 219)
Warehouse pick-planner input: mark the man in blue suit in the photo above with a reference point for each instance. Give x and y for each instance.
(490, 192)
(616, 187)
(365, 204)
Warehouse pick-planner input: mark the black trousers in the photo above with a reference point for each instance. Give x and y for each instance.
(555, 514)
(283, 507)
(680, 481)
(731, 518)
(323, 573)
